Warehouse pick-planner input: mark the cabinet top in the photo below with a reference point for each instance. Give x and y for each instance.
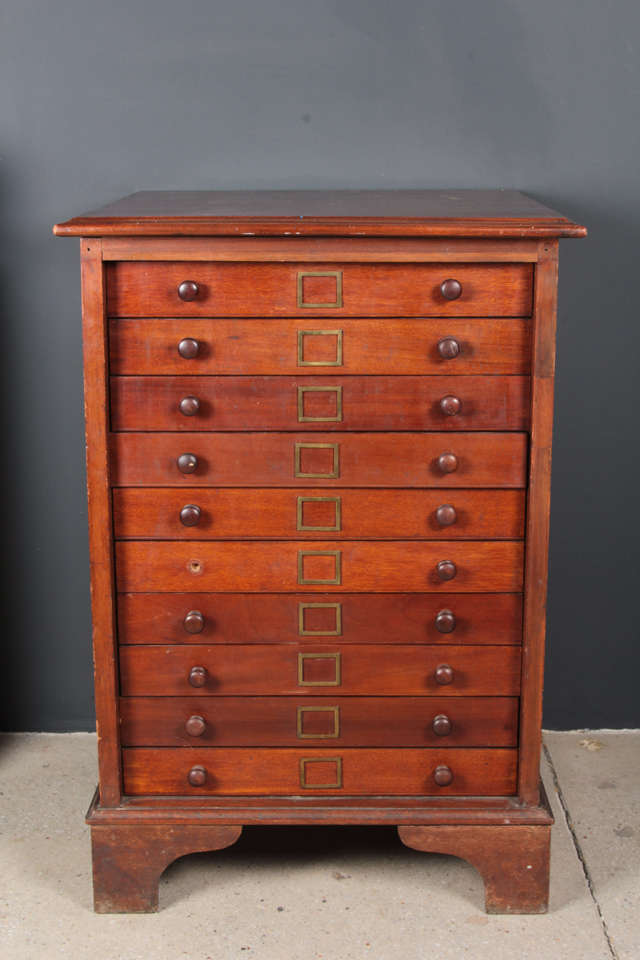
(358, 213)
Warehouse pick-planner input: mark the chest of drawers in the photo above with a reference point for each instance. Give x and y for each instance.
(318, 456)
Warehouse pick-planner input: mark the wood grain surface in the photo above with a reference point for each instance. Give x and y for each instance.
(358, 460)
(357, 566)
(278, 670)
(237, 770)
(146, 347)
(228, 289)
(320, 403)
(493, 618)
(228, 513)
(328, 721)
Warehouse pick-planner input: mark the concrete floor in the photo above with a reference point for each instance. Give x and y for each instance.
(321, 893)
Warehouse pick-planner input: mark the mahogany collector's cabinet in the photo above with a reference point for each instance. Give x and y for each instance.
(318, 453)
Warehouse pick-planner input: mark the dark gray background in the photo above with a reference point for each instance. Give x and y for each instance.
(98, 99)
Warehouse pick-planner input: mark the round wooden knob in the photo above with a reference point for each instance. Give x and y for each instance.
(187, 463)
(198, 676)
(188, 348)
(444, 674)
(193, 622)
(443, 775)
(188, 290)
(196, 726)
(450, 406)
(446, 515)
(445, 621)
(446, 569)
(190, 515)
(189, 406)
(450, 289)
(441, 725)
(197, 776)
(447, 462)
(448, 348)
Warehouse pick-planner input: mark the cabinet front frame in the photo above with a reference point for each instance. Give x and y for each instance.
(95, 252)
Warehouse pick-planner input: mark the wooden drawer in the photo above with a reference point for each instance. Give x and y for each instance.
(150, 289)
(355, 772)
(306, 460)
(343, 721)
(288, 566)
(319, 403)
(208, 514)
(282, 346)
(316, 670)
(405, 618)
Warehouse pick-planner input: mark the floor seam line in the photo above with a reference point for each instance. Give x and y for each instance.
(579, 852)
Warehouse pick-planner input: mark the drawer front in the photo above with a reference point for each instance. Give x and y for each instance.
(206, 514)
(319, 403)
(307, 460)
(426, 346)
(279, 772)
(152, 289)
(227, 618)
(319, 670)
(288, 566)
(343, 721)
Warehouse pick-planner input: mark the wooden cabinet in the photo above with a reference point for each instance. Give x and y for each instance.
(319, 446)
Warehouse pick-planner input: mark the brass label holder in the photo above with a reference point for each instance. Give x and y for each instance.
(337, 664)
(337, 501)
(333, 474)
(319, 273)
(334, 711)
(338, 414)
(320, 786)
(302, 606)
(319, 363)
(332, 581)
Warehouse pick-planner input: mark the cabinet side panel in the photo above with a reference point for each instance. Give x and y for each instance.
(537, 523)
(96, 405)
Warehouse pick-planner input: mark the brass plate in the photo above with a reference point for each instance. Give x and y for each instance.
(302, 500)
(320, 273)
(320, 553)
(319, 363)
(301, 417)
(319, 633)
(337, 659)
(318, 736)
(321, 786)
(299, 447)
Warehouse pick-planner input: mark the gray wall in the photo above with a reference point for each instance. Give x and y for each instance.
(98, 99)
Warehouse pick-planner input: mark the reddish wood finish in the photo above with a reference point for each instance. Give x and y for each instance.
(319, 669)
(94, 335)
(139, 289)
(513, 861)
(327, 566)
(538, 505)
(328, 721)
(321, 403)
(129, 859)
(361, 771)
(338, 249)
(145, 514)
(362, 618)
(357, 460)
(241, 346)
(246, 623)
(298, 213)
(472, 811)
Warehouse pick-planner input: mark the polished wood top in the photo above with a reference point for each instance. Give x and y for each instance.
(445, 213)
